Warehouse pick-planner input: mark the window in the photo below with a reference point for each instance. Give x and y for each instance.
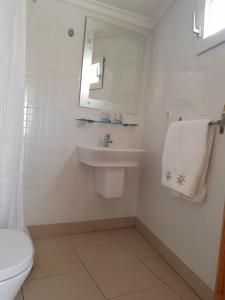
(94, 73)
(214, 17)
(211, 18)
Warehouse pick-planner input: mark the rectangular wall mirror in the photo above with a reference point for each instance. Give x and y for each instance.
(112, 67)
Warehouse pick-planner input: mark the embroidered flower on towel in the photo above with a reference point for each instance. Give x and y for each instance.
(181, 179)
(168, 175)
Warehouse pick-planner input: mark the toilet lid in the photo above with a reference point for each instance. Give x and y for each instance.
(16, 253)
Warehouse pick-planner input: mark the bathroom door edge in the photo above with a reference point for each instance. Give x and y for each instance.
(220, 280)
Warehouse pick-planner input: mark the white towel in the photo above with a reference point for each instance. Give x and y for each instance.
(186, 158)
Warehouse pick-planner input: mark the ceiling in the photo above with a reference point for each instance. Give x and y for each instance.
(151, 9)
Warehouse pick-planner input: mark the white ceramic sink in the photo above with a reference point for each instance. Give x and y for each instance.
(102, 157)
(110, 167)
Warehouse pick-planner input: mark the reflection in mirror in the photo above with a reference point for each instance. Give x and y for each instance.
(112, 67)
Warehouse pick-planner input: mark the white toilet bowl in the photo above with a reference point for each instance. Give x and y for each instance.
(16, 261)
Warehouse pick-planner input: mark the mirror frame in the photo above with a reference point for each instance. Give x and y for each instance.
(84, 100)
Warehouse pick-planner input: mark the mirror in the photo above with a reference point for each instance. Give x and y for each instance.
(112, 67)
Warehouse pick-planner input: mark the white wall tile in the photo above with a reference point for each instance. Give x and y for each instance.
(57, 187)
(191, 87)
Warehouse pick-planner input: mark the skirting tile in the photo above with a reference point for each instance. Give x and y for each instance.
(197, 284)
(51, 230)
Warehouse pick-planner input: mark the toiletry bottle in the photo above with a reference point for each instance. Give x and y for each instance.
(106, 118)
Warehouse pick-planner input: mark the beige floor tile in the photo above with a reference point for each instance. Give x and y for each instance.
(77, 286)
(171, 278)
(93, 238)
(54, 256)
(157, 293)
(116, 270)
(19, 296)
(132, 239)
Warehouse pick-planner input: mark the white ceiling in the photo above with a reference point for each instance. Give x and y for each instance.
(151, 9)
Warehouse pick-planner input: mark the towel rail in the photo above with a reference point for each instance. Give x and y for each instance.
(220, 123)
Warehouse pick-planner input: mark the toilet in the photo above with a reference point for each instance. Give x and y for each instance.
(16, 261)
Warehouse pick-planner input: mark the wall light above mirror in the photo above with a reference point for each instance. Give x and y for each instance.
(112, 67)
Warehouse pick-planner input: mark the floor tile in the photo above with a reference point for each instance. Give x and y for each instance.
(116, 270)
(54, 256)
(19, 296)
(171, 278)
(66, 287)
(157, 293)
(132, 239)
(93, 238)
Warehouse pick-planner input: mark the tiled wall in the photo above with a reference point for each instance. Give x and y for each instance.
(57, 188)
(191, 87)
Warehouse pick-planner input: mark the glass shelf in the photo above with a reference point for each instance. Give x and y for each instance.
(107, 123)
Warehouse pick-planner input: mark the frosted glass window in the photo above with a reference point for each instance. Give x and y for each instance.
(94, 73)
(214, 17)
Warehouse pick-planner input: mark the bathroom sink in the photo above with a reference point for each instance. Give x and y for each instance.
(110, 165)
(110, 157)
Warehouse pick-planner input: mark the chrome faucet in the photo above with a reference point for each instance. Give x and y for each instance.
(107, 140)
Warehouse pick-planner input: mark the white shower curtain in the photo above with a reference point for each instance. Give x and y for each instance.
(12, 81)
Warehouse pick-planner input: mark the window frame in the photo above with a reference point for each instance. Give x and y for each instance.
(212, 41)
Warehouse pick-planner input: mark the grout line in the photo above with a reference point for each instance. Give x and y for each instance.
(147, 242)
(159, 255)
(153, 257)
(138, 291)
(133, 254)
(126, 248)
(22, 294)
(161, 278)
(110, 231)
(86, 268)
(141, 261)
(53, 275)
(171, 288)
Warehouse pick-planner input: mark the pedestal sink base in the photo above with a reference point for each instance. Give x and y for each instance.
(109, 182)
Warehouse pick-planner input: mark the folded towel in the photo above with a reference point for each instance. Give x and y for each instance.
(186, 158)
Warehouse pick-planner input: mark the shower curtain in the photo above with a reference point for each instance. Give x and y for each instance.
(12, 81)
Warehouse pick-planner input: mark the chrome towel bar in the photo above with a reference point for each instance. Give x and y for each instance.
(220, 123)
